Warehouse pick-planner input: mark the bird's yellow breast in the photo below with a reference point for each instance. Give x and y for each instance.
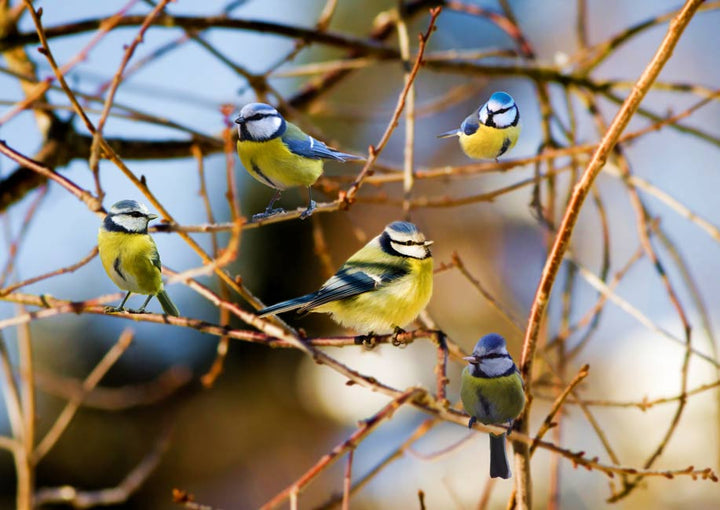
(494, 400)
(273, 164)
(128, 261)
(487, 142)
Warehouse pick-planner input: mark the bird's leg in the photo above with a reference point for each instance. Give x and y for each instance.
(471, 421)
(142, 308)
(397, 331)
(511, 424)
(269, 211)
(310, 208)
(114, 309)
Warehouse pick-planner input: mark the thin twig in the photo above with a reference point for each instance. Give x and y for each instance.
(68, 412)
(366, 427)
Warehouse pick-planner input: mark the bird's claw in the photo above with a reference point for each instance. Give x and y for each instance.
(267, 213)
(310, 209)
(114, 309)
(471, 421)
(137, 310)
(368, 341)
(395, 340)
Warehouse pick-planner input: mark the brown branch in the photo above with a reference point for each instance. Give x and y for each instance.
(565, 230)
(422, 400)
(419, 432)
(343, 41)
(63, 270)
(559, 401)
(112, 496)
(366, 427)
(84, 196)
(374, 151)
(116, 398)
(92, 380)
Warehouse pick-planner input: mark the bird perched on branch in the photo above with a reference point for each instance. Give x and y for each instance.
(492, 393)
(382, 287)
(279, 154)
(492, 130)
(130, 257)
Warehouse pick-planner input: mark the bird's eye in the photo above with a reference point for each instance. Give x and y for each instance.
(136, 214)
(257, 116)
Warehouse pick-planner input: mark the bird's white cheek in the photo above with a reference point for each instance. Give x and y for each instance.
(496, 367)
(414, 250)
(483, 115)
(264, 128)
(506, 119)
(130, 223)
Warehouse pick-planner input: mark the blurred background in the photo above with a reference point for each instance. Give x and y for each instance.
(273, 413)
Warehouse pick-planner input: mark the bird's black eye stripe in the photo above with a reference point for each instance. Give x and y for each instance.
(494, 355)
(258, 116)
(134, 214)
(408, 243)
(501, 110)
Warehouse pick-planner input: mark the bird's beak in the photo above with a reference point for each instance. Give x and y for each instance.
(151, 217)
(448, 134)
(428, 243)
(239, 120)
(471, 359)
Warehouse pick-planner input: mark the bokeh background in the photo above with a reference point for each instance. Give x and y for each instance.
(273, 412)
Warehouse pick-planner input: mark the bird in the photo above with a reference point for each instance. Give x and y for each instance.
(279, 154)
(130, 257)
(382, 287)
(492, 392)
(492, 130)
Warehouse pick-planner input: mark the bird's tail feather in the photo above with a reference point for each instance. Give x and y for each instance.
(167, 305)
(344, 156)
(499, 467)
(286, 306)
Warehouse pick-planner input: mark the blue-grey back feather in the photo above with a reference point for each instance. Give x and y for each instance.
(309, 147)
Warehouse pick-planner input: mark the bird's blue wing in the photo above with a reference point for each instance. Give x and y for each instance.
(350, 282)
(308, 147)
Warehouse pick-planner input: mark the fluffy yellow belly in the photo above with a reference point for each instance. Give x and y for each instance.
(274, 165)
(487, 142)
(128, 261)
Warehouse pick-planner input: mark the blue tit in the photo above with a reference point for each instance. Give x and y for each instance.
(129, 255)
(383, 286)
(279, 154)
(492, 130)
(492, 392)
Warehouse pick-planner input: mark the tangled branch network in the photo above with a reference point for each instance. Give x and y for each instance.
(585, 239)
